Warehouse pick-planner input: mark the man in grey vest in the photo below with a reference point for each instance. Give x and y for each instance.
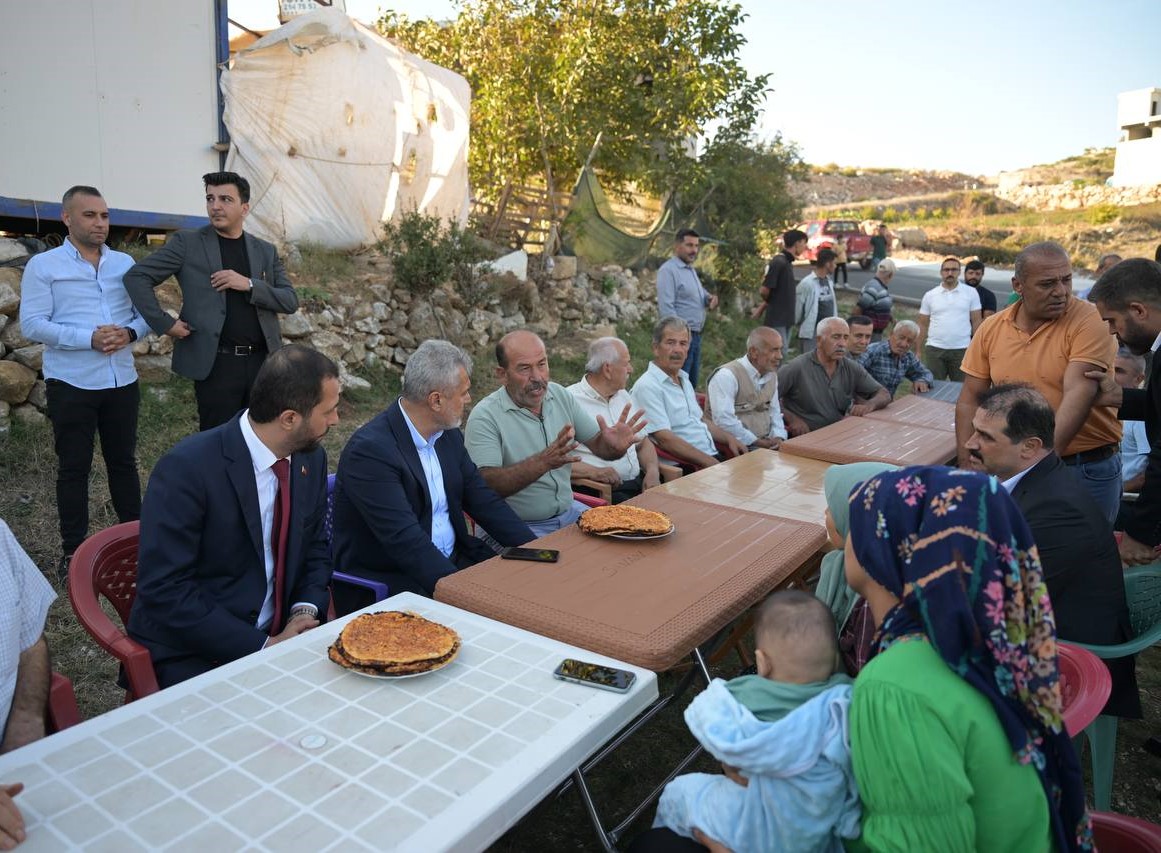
(743, 394)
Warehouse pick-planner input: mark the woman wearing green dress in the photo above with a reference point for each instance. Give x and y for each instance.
(957, 740)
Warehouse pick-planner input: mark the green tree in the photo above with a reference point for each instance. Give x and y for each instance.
(550, 76)
(742, 187)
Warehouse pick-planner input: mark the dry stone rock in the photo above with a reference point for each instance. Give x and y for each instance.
(563, 267)
(296, 325)
(16, 381)
(10, 249)
(31, 357)
(329, 344)
(38, 396)
(11, 337)
(29, 414)
(423, 323)
(9, 299)
(153, 368)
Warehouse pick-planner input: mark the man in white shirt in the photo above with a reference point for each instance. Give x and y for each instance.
(24, 666)
(743, 394)
(601, 391)
(675, 420)
(74, 302)
(948, 317)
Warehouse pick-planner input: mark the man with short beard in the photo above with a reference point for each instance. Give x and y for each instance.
(1128, 298)
(973, 276)
(523, 436)
(234, 554)
(405, 481)
(820, 388)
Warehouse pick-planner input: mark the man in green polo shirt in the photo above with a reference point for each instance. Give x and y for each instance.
(522, 436)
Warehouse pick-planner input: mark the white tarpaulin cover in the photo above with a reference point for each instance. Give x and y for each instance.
(337, 130)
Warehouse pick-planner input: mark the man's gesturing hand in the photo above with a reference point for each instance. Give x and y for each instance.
(560, 451)
(622, 434)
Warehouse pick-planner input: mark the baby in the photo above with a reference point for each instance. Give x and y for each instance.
(782, 735)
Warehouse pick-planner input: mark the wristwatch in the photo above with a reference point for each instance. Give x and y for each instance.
(304, 609)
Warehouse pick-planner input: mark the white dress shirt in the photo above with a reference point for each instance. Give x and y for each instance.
(26, 596)
(1013, 481)
(628, 467)
(723, 390)
(443, 535)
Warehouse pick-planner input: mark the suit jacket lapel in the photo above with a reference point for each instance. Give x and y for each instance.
(257, 257)
(403, 440)
(240, 470)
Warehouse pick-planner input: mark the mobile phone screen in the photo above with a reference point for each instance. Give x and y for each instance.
(605, 677)
(537, 555)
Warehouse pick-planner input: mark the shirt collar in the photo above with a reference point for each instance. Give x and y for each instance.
(261, 455)
(751, 370)
(1157, 343)
(665, 377)
(586, 388)
(420, 442)
(1013, 481)
(75, 252)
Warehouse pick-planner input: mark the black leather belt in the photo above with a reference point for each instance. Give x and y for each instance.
(1097, 454)
(241, 350)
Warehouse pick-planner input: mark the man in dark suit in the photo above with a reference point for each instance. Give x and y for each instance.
(227, 564)
(1012, 438)
(405, 482)
(232, 287)
(1128, 297)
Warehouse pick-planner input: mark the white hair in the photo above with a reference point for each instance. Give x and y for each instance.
(603, 351)
(826, 322)
(907, 326)
(434, 366)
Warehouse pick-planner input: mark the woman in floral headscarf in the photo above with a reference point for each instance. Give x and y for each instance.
(957, 740)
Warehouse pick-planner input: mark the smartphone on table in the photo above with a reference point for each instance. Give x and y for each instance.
(536, 555)
(595, 675)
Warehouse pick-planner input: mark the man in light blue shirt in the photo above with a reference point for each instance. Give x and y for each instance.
(73, 301)
(680, 294)
(676, 422)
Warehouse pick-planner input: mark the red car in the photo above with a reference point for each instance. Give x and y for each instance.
(824, 233)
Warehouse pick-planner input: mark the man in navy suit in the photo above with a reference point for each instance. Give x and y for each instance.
(405, 482)
(206, 579)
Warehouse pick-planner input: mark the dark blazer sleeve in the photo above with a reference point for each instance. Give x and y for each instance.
(385, 494)
(193, 557)
(272, 288)
(312, 577)
(487, 508)
(147, 274)
(1143, 522)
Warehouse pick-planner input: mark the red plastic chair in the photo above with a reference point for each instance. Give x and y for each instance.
(1118, 833)
(106, 565)
(61, 710)
(1085, 685)
(589, 500)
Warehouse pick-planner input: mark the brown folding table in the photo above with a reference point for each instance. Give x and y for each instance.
(646, 602)
(856, 439)
(763, 481)
(918, 410)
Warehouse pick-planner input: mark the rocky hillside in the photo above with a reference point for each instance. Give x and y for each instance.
(830, 185)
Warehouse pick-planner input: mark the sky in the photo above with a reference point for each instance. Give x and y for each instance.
(974, 86)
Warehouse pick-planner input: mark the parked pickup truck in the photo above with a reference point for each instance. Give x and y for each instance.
(824, 233)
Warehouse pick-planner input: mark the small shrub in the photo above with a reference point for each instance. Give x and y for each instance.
(608, 285)
(426, 252)
(1102, 214)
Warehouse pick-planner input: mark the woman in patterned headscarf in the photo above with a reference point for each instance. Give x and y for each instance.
(957, 739)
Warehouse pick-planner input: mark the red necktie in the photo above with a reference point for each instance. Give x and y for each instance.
(278, 535)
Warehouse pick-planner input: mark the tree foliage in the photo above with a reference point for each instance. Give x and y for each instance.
(549, 76)
(742, 188)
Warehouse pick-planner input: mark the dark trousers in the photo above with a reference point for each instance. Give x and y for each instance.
(226, 391)
(693, 358)
(77, 415)
(840, 269)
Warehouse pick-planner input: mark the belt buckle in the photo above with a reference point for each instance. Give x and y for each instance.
(241, 349)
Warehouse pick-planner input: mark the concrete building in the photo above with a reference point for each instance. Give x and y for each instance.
(1139, 148)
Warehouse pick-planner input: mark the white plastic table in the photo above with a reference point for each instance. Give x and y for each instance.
(283, 750)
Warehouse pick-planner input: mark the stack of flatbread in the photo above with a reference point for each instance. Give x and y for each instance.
(392, 642)
(619, 518)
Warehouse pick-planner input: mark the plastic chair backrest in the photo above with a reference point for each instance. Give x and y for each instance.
(1118, 833)
(1085, 687)
(379, 590)
(106, 565)
(1143, 590)
(589, 500)
(329, 516)
(61, 710)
